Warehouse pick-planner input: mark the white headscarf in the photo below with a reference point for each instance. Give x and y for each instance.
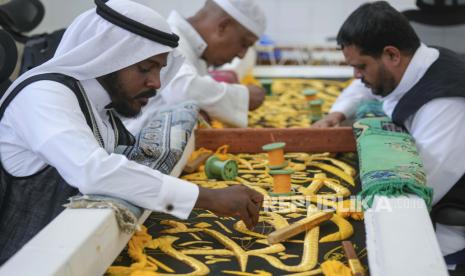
(247, 12)
(92, 47)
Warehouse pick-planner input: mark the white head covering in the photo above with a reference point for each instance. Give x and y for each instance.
(92, 47)
(246, 12)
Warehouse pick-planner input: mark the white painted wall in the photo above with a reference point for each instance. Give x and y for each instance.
(289, 21)
(303, 21)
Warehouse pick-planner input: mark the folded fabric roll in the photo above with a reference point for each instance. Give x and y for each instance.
(389, 161)
(159, 145)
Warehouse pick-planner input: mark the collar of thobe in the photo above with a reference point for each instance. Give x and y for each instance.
(188, 32)
(423, 58)
(97, 95)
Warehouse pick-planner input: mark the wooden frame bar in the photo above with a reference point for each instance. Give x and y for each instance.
(251, 140)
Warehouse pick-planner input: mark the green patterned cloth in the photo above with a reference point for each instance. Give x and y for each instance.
(389, 161)
(370, 109)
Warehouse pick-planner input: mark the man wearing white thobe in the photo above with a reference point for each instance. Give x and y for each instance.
(217, 33)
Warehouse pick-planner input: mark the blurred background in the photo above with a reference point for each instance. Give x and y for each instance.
(290, 22)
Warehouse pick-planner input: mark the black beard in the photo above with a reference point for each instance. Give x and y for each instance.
(387, 84)
(119, 100)
(379, 92)
(147, 94)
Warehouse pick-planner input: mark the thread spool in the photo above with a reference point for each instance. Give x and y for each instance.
(221, 170)
(316, 109)
(275, 155)
(310, 94)
(266, 84)
(281, 182)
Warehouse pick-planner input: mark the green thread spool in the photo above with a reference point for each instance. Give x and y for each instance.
(275, 155)
(316, 110)
(277, 167)
(281, 182)
(222, 170)
(266, 84)
(310, 94)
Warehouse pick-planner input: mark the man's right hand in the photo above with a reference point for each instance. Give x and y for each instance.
(256, 96)
(333, 119)
(235, 201)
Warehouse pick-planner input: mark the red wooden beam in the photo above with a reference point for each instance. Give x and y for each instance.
(251, 140)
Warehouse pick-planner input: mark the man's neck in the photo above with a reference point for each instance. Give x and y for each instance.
(404, 63)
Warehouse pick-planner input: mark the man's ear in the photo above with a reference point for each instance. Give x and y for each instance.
(392, 54)
(223, 24)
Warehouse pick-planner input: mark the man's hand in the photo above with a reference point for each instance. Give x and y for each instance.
(235, 201)
(256, 96)
(331, 120)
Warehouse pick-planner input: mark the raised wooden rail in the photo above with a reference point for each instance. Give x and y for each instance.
(251, 140)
